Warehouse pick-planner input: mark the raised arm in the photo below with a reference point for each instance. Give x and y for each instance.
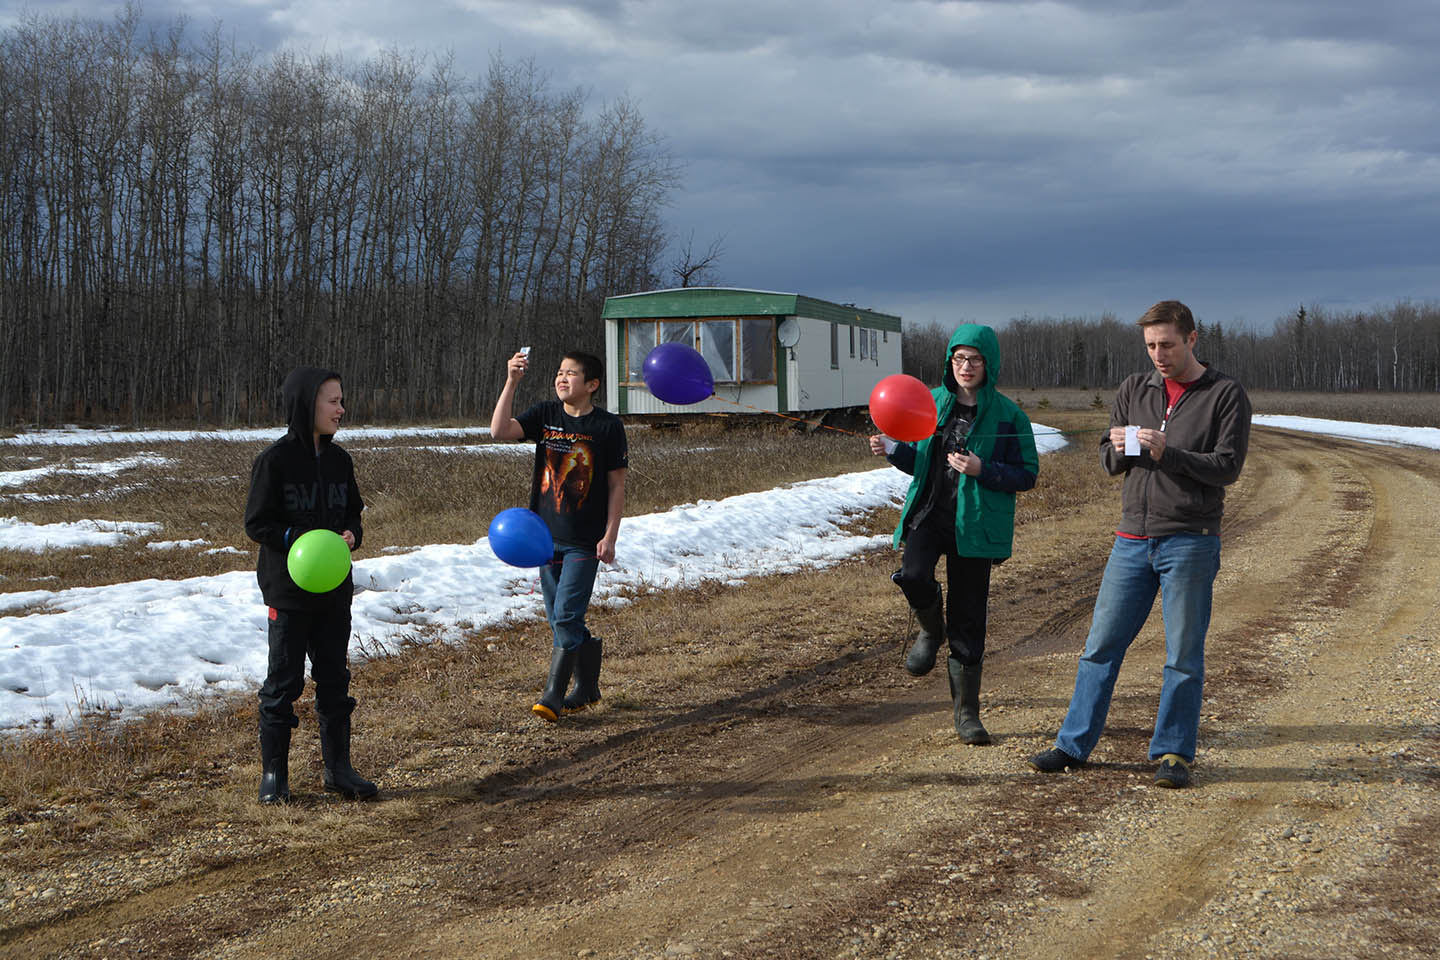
(503, 425)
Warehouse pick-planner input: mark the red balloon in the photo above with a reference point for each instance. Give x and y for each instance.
(903, 408)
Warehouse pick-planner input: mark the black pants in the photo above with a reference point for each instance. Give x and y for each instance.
(325, 638)
(967, 582)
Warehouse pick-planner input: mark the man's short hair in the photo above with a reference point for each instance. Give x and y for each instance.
(1169, 311)
(591, 366)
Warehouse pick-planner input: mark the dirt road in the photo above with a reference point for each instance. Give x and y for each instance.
(823, 808)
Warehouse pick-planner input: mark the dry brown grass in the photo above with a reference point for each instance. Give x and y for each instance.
(177, 771)
(1401, 409)
(414, 495)
(60, 788)
(105, 785)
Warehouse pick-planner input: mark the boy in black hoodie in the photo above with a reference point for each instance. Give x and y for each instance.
(305, 481)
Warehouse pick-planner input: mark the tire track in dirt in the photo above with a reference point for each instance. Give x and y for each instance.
(1075, 594)
(766, 819)
(562, 782)
(1328, 504)
(1356, 549)
(262, 888)
(570, 782)
(1314, 499)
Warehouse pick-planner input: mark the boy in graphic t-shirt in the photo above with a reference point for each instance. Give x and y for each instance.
(578, 488)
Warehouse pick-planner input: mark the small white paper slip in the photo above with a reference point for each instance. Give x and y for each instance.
(525, 351)
(1132, 441)
(888, 444)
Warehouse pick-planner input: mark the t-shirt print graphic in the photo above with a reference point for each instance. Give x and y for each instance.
(569, 475)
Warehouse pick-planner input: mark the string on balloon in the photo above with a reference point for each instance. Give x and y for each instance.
(817, 424)
(901, 406)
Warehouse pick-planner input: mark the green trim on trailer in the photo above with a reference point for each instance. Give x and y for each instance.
(841, 313)
(732, 302)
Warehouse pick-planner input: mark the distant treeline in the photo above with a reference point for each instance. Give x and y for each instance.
(1393, 349)
(181, 222)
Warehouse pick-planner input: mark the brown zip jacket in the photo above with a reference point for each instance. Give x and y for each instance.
(1206, 438)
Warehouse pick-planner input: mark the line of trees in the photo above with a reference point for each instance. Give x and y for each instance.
(182, 222)
(1394, 349)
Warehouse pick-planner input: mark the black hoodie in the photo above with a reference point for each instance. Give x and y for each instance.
(295, 487)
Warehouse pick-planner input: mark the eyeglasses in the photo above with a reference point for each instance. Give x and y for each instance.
(960, 360)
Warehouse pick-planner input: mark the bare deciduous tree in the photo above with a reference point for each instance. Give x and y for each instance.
(692, 270)
(182, 223)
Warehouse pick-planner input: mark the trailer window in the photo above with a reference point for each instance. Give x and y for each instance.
(717, 346)
(737, 349)
(639, 341)
(757, 348)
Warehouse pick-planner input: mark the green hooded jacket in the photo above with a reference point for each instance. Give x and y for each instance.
(1001, 437)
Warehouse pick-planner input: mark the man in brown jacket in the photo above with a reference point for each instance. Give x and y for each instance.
(1188, 429)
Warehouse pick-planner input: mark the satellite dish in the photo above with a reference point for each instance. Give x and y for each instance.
(788, 332)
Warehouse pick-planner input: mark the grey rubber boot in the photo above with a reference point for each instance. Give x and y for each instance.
(965, 691)
(587, 676)
(921, 658)
(552, 699)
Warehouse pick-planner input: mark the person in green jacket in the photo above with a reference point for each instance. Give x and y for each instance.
(961, 505)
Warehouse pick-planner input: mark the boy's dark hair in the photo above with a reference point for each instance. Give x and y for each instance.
(1169, 311)
(590, 365)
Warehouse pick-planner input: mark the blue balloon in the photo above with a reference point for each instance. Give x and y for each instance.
(520, 538)
(676, 373)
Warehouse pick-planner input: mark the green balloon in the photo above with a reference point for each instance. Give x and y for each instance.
(319, 561)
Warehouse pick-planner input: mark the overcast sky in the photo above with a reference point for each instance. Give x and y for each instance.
(980, 161)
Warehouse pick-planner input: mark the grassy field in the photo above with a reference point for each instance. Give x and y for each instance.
(415, 496)
(1402, 409)
(417, 490)
(417, 493)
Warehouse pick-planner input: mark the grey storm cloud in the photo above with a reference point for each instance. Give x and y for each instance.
(986, 159)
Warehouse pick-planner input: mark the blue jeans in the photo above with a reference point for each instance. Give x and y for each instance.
(1182, 567)
(566, 583)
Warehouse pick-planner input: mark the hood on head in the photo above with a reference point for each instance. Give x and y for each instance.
(979, 337)
(298, 398)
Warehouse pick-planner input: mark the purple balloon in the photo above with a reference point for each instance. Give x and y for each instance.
(677, 374)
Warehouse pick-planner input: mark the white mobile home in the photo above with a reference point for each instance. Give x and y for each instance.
(768, 352)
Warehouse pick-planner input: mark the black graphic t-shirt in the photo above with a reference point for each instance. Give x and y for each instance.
(570, 488)
(937, 503)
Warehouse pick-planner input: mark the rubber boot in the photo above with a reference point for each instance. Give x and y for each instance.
(274, 765)
(587, 676)
(552, 699)
(965, 691)
(921, 658)
(339, 776)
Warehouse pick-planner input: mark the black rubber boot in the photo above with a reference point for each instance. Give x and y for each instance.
(552, 699)
(274, 765)
(965, 691)
(587, 676)
(339, 776)
(921, 658)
